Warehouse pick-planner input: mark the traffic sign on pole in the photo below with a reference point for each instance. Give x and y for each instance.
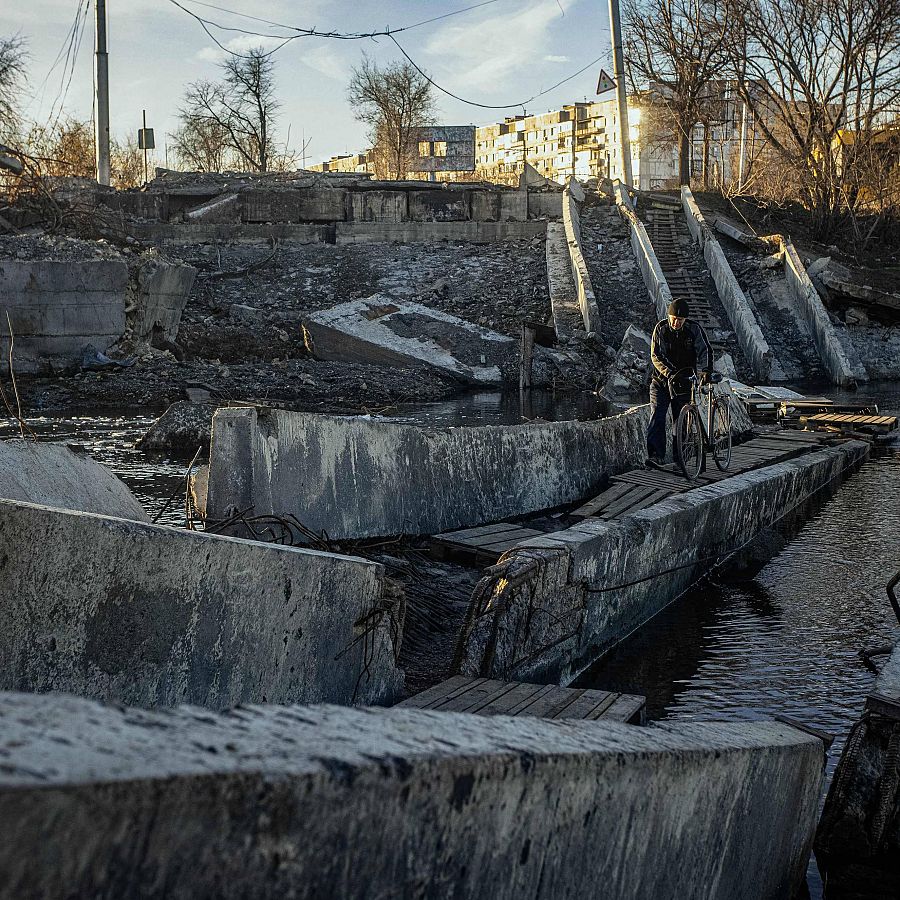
(605, 83)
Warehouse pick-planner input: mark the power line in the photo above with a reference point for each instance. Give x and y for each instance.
(206, 24)
(521, 103)
(298, 32)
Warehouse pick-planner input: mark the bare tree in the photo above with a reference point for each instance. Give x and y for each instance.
(202, 144)
(820, 78)
(676, 53)
(13, 56)
(126, 164)
(393, 102)
(241, 108)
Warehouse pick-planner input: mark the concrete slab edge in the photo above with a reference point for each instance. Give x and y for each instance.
(739, 309)
(828, 344)
(651, 271)
(151, 615)
(322, 801)
(558, 602)
(587, 300)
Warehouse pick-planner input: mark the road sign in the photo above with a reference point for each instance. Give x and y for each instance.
(145, 139)
(605, 83)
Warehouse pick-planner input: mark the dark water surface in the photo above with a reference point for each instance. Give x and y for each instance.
(788, 640)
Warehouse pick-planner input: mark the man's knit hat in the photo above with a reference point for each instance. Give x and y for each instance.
(679, 307)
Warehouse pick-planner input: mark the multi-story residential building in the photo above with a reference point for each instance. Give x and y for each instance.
(580, 139)
(347, 162)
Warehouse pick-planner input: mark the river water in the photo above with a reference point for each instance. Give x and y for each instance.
(786, 641)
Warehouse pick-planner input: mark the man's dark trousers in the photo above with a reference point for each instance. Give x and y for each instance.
(660, 401)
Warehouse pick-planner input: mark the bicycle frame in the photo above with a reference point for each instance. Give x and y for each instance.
(710, 393)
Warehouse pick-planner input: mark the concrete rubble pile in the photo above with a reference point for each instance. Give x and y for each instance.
(69, 299)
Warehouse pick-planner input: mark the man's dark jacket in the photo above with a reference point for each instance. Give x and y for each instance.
(671, 350)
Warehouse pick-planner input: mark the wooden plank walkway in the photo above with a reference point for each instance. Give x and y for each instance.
(633, 491)
(485, 697)
(626, 494)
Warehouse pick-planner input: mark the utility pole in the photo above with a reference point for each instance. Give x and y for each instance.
(102, 80)
(615, 28)
(743, 152)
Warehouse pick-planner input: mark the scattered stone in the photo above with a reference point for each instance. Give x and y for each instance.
(182, 428)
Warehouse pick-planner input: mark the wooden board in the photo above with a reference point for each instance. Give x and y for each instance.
(486, 697)
(854, 421)
(483, 545)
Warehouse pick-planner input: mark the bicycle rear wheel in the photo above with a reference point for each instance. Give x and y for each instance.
(721, 433)
(689, 442)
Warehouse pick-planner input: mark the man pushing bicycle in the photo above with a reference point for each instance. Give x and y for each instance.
(677, 343)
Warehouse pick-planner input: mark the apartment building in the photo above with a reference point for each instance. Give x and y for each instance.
(580, 139)
(347, 162)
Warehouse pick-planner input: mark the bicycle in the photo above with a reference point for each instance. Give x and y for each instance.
(693, 436)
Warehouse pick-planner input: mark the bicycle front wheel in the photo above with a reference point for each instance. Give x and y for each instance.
(721, 434)
(689, 442)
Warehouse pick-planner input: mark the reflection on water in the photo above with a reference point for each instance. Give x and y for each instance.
(787, 641)
(492, 408)
(110, 439)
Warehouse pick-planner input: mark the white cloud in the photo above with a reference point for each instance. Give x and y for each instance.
(486, 52)
(559, 59)
(327, 61)
(241, 44)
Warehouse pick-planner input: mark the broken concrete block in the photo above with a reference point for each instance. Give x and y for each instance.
(182, 428)
(439, 206)
(530, 177)
(158, 294)
(219, 210)
(150, 615)
(316, 802)
(630, 373)
(57, 308)
(725, 365)
(53, 475)
(383, 331)
(575, 189)
(358, 476)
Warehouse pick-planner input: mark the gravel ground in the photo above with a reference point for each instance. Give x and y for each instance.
(615, 276)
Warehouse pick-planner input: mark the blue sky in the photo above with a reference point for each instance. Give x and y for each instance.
(503, 52)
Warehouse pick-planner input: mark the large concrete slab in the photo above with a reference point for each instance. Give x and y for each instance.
(584, 290)
(312, 802)
(560, 283)
(831, 350)
(154, 616)
(353, 476)
(558, 603)
(53, 475)
(739, 309)
(159, 294)
(57, 308)
(386, 331)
